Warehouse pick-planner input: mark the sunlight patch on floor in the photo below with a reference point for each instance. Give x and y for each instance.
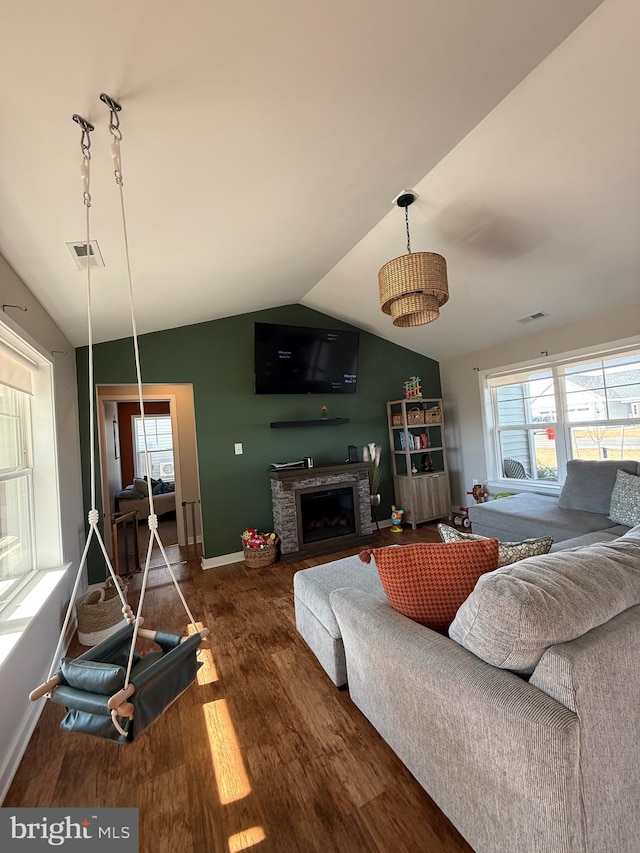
(246, 839)
(228, 766)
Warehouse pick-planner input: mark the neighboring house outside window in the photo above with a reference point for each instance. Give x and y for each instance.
(160, 446)
(538, 418)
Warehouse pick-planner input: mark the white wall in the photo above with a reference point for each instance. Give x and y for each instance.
(461, 388)
(28, 664)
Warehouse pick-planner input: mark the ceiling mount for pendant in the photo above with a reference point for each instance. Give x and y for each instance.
(414, 286)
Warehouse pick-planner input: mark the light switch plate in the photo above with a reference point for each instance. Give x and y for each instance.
(238, 448)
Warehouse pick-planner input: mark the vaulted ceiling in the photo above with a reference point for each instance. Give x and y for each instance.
(263, 144)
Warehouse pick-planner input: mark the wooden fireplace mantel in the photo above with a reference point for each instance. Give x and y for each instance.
(290, 475)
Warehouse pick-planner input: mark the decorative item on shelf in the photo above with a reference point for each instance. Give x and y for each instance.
(372, 453)
(324, 413)
(413, 287)
(432, 416)
(396, 419)
(414, 470)
(412, 388)
(427, 463)
(259, 549)
(415, 416)
(396, 518)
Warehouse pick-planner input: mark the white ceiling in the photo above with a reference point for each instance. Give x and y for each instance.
(264, 142)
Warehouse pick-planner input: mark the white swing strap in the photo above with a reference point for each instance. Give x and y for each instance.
(116, 154)
(93, 515)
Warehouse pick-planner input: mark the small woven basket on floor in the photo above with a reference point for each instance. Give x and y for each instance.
(258, 558)
(99, 613)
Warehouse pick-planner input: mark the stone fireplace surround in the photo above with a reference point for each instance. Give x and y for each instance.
(286, 486)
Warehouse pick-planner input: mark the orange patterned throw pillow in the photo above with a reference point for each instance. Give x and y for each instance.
(427, 582)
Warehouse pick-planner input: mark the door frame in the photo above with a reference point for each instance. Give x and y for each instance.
(183, 428)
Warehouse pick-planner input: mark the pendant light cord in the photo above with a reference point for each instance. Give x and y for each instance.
(406, 222)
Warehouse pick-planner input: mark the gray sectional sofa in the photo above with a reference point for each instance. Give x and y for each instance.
(523, 724)
(579, 516)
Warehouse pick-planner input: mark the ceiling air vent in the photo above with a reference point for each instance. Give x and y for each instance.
(78, 251)
(537, 316)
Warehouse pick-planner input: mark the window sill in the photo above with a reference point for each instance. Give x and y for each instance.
(24, 608)
(539, 487)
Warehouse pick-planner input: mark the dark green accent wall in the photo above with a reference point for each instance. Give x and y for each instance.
(217, 358)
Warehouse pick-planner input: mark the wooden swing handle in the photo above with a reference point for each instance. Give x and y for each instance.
(45, 688)
(149, 634)
(125, 710)
(121, 696)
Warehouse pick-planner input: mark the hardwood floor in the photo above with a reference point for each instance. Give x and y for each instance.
(261, 753)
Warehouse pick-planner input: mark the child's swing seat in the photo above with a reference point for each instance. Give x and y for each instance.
(88, 682)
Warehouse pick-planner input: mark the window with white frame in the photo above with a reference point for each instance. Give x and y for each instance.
(160, 446)
(539, 417)
(17, 560)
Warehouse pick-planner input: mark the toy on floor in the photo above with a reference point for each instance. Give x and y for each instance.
(478, 493)
(396, 518)
(460, 517)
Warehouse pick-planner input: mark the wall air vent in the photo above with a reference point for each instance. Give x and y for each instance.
(78, 252)
(537, 316)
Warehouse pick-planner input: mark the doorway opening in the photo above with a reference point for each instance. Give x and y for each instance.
(171, 439)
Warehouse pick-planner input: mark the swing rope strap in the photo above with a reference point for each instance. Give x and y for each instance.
(116, 155)
(93, 517)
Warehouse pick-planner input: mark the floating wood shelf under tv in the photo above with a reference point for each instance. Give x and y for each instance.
(316, 422)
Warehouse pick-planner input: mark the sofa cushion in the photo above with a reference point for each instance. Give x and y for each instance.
(515, 613)
(625, 499)
(531, 515)
(508, 552)
(427, 582)
(312, 587)
(589, 483)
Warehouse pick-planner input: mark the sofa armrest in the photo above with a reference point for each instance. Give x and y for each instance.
(499, 756)
(447, 668)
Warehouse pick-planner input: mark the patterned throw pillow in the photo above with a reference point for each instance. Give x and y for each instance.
(625, 499)
(428, 582)
(508, 552)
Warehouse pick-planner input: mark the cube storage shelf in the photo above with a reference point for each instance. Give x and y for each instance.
(419, 459)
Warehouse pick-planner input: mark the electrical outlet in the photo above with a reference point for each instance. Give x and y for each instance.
(476, 483)
(237, 447)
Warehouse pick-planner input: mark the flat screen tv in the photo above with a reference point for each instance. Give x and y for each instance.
(304, 360)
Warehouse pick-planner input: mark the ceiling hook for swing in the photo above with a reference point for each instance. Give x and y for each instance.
(87, 127)
(114, 121)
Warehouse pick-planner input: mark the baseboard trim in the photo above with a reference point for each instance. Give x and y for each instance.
(222, 560)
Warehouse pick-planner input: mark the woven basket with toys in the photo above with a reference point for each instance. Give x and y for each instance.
(259, 549)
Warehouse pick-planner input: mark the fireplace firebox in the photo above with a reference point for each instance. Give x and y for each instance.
(326, 513)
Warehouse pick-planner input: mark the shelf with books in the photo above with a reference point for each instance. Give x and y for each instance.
(420, 475)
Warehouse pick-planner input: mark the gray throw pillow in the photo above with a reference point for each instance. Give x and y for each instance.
(516, 613)
(625, 500)
(590, 482)
(142, 486)
(508, 552)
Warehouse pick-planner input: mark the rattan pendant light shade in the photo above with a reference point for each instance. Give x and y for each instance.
(413, 287)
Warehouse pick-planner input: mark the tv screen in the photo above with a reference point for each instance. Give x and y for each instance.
(303, 360)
